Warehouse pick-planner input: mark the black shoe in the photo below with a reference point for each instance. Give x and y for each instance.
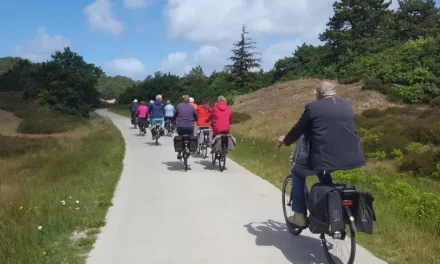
(179, 156)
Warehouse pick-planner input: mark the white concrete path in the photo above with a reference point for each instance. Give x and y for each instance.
(161, 214)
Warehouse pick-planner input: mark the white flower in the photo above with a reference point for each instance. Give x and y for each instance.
(63, 202)
(70, 197)
(77, 201)
(40, 227)
(77, 208)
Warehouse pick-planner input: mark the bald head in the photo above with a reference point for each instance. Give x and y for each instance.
(325, 88)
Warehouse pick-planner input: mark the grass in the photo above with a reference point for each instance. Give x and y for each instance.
(38, 173)
(270, 118)
(37, 120)
(402, 234)
(120, 110)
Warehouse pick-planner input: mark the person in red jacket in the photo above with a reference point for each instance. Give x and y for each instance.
(204, 114)
(221, 117)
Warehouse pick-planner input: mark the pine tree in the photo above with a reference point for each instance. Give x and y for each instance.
(358, 27)
(417, 19)
(243, 61)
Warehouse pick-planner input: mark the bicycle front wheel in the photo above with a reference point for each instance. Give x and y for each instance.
(340, 250)
(287, 205)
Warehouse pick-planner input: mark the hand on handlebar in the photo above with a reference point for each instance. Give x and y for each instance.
(281, 140)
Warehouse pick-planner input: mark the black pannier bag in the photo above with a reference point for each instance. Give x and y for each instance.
(363, 212)
(193, 143)
(326, 211)
(179, 143)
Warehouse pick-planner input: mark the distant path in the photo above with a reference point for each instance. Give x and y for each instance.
(161, 214)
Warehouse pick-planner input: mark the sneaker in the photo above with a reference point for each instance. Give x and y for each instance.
(298, 219)
(179, 156)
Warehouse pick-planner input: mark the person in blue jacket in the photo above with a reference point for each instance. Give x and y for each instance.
(134, 107)
(157, 110)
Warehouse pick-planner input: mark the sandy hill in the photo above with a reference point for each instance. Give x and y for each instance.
(276, 108)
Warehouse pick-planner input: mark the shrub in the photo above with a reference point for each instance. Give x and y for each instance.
(422, 164)
(415, 147)
(238, 117)
(435, 102)
(397, 154)
(349, 80)
(373, 113)
(378, 155)
(377, 85)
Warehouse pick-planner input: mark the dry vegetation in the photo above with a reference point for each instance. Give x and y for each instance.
(275, 109)
(48, 162)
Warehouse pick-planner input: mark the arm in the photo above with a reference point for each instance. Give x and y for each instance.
(230, 118)
(176, 113)
(196, 118)
(300, 127)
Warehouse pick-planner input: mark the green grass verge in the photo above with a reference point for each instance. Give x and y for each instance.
(38, 174)
(120, 110)
(407, 208)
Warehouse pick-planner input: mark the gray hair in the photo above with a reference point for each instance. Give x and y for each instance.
(325, 88)
(159, 96)
(221, 98)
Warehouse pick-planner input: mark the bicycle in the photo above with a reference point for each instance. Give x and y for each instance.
(156, 132)
(204, 145)
(186, 151)
(220, 154)
(169, 126)
(347, 195)
(134, 120)
(142, 127)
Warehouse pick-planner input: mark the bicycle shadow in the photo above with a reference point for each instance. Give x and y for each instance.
(153, 143)
(297, 250)
(207, 165)
(176, 166)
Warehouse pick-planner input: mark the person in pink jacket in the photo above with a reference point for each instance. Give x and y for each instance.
(142, 112)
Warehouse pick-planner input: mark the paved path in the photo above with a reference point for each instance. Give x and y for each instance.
(161, 214)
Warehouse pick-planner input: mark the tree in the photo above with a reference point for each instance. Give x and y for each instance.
(417, 19)
(358, 26)
(66, 84)
(243, 61)
(112, 87)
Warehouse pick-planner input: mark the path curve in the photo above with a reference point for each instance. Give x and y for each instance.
(161, 214)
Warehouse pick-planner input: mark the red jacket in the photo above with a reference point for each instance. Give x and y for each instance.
(204, 115)
(222, 117)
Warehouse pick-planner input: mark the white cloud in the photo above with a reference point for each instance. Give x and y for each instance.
(130, 67)
(42, 46)
(278, 51)
(133, 4)
(209, 57)
(100, 18)
(212, 21)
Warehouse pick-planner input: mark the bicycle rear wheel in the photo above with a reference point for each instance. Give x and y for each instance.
(287, 205)
(222, 160)
(205, 150)
(334, 248)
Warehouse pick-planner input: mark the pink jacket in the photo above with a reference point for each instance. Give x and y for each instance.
(142, 111)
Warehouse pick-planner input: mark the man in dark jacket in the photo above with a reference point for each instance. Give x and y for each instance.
(157, 110)
(329, 143)
(134, 107)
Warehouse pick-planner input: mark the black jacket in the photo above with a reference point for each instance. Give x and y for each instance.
(330, 140)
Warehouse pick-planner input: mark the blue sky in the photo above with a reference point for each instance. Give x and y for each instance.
(138, 37)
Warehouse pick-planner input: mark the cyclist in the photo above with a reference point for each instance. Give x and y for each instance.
(149, 107)
(203, 114)
(221, 117)
(142, 112)
(157, 110)
(169, 112)
(185, 117)
(133, 108)
(329, 143)
(191, 101)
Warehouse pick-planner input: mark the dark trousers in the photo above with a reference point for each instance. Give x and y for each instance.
(185, 131)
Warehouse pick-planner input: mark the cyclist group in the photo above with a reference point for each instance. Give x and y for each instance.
(187, 116)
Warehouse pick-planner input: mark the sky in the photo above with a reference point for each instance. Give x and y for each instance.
(135, 38)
